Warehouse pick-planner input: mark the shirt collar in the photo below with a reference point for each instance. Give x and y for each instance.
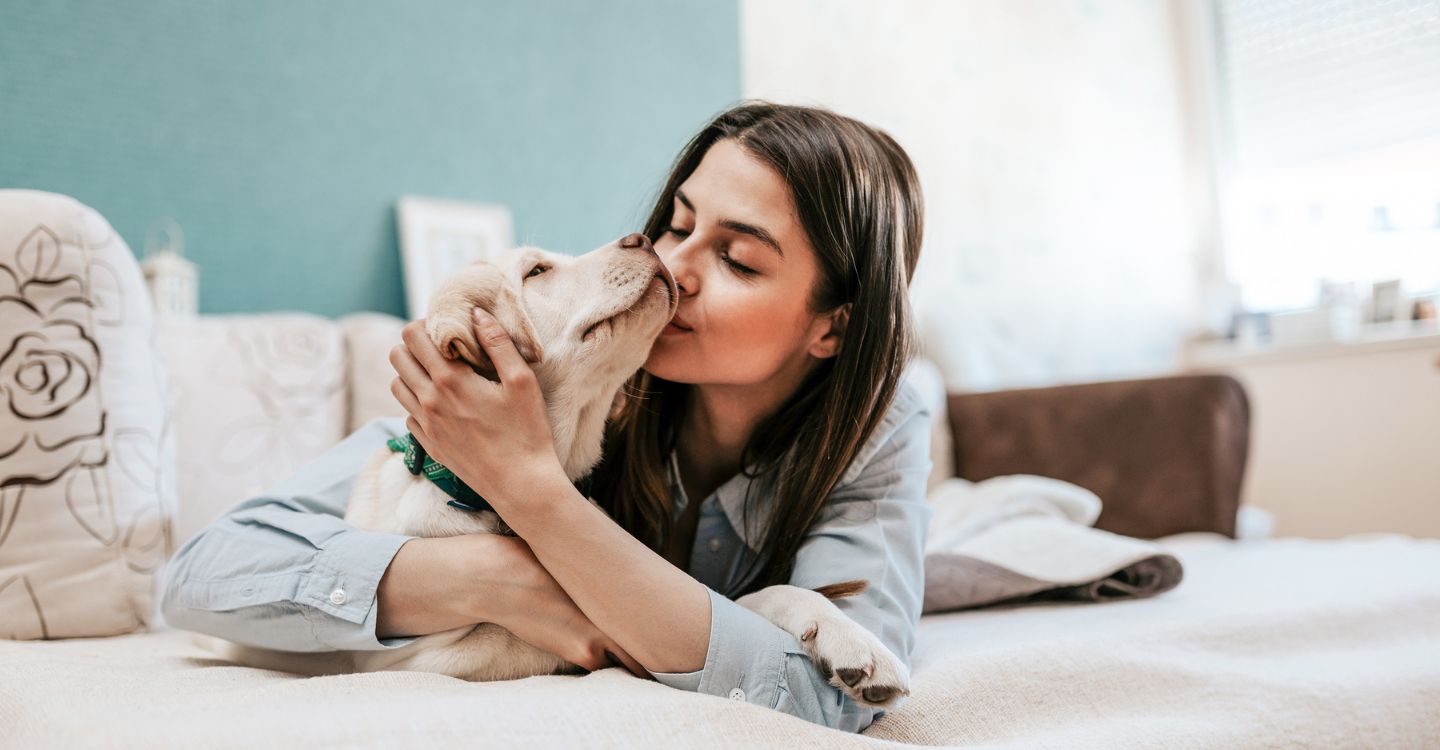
(731, 496)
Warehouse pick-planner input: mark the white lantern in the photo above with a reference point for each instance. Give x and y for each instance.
(170, 278)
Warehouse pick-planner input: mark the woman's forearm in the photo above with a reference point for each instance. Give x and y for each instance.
(657, 612)
(434, 584)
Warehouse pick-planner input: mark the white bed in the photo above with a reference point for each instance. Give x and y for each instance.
(1265, 643)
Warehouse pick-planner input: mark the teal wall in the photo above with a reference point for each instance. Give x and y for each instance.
(279, 134)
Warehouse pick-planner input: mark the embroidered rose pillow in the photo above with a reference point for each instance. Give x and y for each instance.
(87, 498)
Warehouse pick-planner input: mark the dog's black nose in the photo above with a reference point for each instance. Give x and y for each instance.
(636, 239)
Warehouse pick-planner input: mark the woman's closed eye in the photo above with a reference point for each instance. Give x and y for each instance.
(746, 270)
(724, 254)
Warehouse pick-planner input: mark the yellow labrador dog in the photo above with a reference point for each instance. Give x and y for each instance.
(585, 324)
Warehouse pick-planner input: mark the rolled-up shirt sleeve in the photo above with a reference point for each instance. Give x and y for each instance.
(873, 528)
(284, 570)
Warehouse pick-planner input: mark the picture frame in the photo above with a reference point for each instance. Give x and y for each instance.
(440, 236)
(1387, 302)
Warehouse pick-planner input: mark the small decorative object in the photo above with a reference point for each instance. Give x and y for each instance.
(1340, 305)
(1250, 329)
(170, 278)
(1387, 302)
(1423, 309)
(438, 237)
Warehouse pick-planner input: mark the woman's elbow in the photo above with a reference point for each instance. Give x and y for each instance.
(177, 573)
(172, 609)
(809, 695)
(843, 714)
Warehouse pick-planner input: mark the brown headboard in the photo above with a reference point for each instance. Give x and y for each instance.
(1165, 455)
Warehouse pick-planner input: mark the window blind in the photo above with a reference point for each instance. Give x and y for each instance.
(1308, 79)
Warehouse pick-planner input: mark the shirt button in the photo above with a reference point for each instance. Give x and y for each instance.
(337, 597)
(715, 545)
(737, 694)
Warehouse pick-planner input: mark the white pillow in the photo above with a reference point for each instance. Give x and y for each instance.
(254, 397)
(369, 336)
(925, 375)
(87, 485)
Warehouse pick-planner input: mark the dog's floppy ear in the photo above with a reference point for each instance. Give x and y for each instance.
(451, 323)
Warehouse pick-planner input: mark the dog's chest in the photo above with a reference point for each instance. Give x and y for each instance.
(413, 505)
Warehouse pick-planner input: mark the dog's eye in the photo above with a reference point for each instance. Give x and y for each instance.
(537, 270)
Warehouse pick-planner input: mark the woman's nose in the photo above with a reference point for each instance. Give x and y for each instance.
(637, 240)
(673, 260)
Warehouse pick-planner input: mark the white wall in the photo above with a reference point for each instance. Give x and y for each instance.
(1055, 150)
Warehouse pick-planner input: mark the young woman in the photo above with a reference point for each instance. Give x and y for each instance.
(769, 438)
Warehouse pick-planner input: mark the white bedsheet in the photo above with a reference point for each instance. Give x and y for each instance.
(1266, 643)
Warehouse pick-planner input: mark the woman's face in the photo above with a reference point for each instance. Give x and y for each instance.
(747, 324)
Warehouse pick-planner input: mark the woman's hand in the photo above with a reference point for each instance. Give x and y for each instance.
(494, 436)
(530, 603)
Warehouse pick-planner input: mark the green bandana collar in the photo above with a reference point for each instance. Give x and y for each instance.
(462, 497)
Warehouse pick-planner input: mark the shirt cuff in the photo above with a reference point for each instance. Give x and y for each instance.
(343, 585)
(752, 659)
(745, 659)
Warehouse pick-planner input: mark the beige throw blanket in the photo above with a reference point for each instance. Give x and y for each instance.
(1024, 537)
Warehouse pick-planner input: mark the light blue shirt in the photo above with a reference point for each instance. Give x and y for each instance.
(284, 571)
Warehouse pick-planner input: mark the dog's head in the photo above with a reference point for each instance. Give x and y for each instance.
(584, 323)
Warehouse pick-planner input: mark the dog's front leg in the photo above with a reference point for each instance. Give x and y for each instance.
(852, 657)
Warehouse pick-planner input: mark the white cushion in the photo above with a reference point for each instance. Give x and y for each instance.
(369, 336)
(926, 377)
(87, 486)
(254, 398)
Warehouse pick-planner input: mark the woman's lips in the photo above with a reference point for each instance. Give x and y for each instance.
(672, 329)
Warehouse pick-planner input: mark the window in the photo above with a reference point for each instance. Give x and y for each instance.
(1330, 111)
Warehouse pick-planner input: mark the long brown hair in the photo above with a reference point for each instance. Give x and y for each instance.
(858, 200)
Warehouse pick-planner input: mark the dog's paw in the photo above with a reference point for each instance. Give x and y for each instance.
(856, 661)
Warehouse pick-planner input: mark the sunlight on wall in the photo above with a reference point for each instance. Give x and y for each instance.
(1059, 242)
